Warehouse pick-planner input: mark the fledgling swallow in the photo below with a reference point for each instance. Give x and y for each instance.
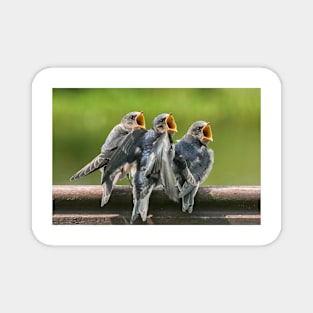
(129, 123)
(151, 153)
(153, 168)
(193, 162)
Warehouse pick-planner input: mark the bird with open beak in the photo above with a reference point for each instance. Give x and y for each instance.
(151, 153)
(129, 123)
(193, 162)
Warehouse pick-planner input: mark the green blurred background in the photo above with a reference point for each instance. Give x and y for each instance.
(82, 119)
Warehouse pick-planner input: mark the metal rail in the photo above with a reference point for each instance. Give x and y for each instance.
(214, 205)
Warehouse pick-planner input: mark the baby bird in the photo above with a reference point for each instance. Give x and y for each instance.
(129, 123)
(193, 162)
(153, 166)
(151, 153)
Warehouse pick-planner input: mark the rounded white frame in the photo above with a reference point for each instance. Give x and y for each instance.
(184, 235)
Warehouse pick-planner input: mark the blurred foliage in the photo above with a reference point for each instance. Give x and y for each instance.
(82, 119)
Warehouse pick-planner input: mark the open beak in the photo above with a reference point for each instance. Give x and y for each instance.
(171, 123)
(140, 119)
(207, 132)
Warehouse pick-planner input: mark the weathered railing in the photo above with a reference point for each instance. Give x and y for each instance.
(215, 205)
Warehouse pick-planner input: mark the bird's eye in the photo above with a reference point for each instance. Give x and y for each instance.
(133, 117)
(199, 128)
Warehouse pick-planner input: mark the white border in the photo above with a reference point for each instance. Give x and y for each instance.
(50, 78)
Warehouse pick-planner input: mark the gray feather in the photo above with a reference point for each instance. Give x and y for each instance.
(97, 163)
(192, 164)
(113, 141)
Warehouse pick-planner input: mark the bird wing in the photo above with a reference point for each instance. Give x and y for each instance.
(114, 138)
(107, 150)
(200, 168)
(166, 173)
(181, 167)
(98, 162)
(160, 161)
(154, 162)
(209, 161)
(202, 165)
(125, 153)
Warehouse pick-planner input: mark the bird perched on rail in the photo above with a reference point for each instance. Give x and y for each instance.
(193, 162)
(151, 152)
(129, 123)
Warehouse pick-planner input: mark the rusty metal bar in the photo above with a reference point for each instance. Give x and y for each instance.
(214, 205)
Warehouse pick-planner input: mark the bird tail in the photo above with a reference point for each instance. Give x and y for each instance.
(135, 212)
(169, 184)
(187, 203)
(141, 207)
(107, 187)
(188, 199)
(186, 189)
(167, 176)
(108, 182)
